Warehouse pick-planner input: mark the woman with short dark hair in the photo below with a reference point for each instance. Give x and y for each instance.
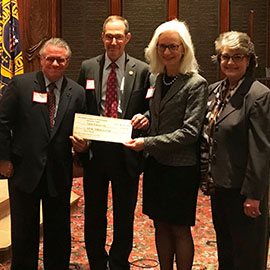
(235, 156)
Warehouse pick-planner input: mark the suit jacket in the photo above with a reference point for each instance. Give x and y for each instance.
(134, 98)
(176, 120)
(241, 149)
(26, 138)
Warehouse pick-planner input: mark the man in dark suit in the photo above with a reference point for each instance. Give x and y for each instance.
(111, 161)
(36, 120)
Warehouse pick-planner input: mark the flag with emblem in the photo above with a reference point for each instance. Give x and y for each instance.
(10, 48)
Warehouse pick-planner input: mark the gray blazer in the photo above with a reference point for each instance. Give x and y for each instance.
(241, 149)
(176, 120)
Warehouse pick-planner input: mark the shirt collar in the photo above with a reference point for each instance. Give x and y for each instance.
(120, 62)
(233, 90)
(58, 83)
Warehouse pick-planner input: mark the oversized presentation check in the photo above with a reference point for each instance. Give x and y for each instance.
(100, 128)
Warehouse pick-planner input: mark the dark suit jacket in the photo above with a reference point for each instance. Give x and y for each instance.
(33, 147)
(133, 102)
(242, 140)
(176, 120)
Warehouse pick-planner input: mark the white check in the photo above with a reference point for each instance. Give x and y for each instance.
(100, 128)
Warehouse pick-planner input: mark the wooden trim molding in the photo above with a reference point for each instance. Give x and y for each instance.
(116, 7)
(251, 24)
(224, 22)
(56, 18)
(224, 16)
(268, 34)
(172, 9)
(38, 20)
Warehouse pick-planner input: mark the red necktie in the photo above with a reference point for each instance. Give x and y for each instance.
(111, 102)
(51, 103)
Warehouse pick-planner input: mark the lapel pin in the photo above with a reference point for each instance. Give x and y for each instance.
(130, 72)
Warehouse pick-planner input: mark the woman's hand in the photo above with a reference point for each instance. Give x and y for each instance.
(79, 144)
(252, 208)
(135, 144)
(139, 121)
(6, 168)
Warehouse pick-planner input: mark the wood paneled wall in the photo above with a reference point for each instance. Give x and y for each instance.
(39, 20)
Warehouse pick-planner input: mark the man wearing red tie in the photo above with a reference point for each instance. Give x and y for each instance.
(36, 119)
(116, 85)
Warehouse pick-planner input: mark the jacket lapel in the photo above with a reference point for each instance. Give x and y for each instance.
(130, 75)
(66, 94)
(98, 74)
(155, 101)
(175, 88)
(237, 99)
(41, 87)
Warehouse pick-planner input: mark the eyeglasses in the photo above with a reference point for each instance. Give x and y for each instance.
(171, 47)
(118, 38)
(59, 60)
(237, 58)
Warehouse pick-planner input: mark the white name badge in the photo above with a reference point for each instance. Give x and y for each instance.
(150, 92)
(100, 128)
(40, 97)
(90, 84)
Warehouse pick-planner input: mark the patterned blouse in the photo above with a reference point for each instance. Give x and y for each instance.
(220, 96)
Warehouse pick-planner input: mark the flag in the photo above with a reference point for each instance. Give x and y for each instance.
(10, 48)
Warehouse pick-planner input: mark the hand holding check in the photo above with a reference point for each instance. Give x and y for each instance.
(6, 168)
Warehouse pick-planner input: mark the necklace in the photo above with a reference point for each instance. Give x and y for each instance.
(171, 82)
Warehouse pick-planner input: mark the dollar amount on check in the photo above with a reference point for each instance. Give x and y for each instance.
(100, 128)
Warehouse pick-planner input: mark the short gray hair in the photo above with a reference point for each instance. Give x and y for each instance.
(188, 63)
(235, 40)
(58, 42)
(114, 18)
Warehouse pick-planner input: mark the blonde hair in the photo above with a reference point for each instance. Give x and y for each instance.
(188, 63)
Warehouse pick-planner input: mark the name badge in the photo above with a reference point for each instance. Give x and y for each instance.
(150, 92)
(90, 84)
(40, 97)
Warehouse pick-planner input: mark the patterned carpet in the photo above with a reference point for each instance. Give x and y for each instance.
(144, 253)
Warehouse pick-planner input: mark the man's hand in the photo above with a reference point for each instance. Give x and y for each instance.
(79, 144)
(252, 208)
(6, 168)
